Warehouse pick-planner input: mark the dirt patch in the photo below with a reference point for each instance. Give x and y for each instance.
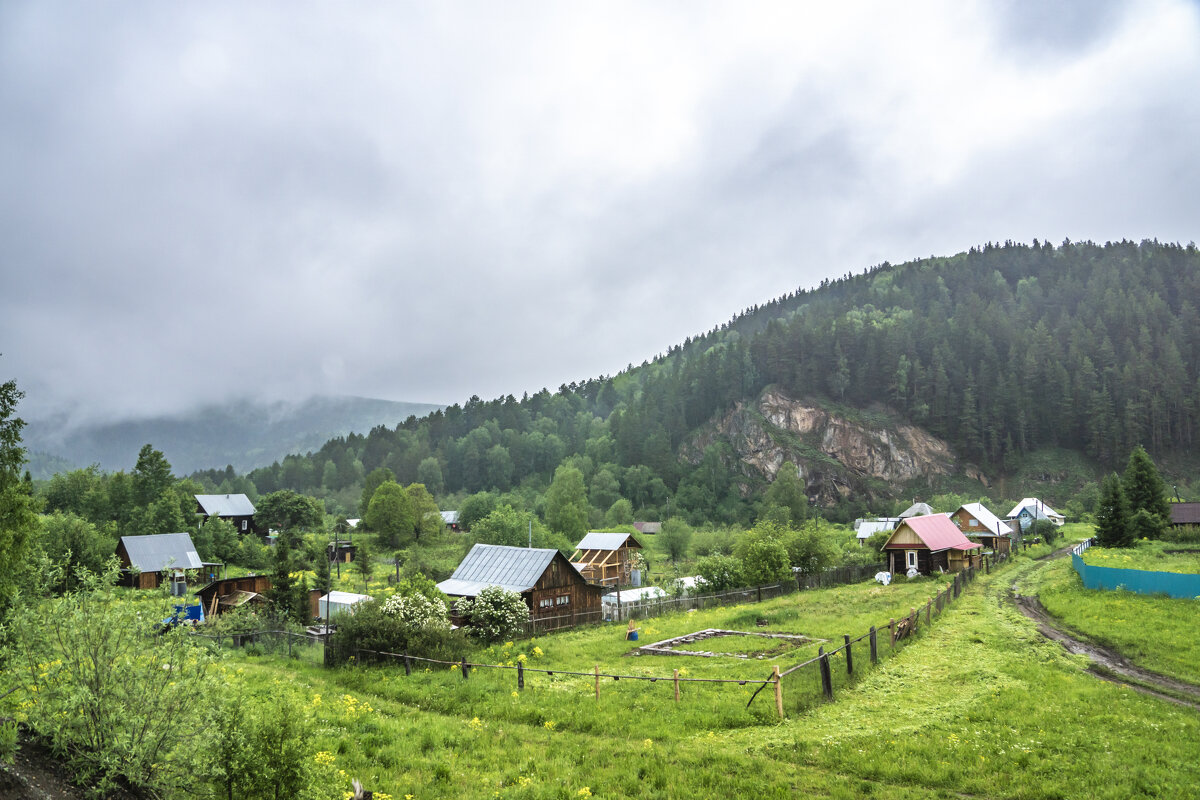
(38, 774)
(776, 644)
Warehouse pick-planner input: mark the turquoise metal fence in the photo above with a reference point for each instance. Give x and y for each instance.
(1175, 584)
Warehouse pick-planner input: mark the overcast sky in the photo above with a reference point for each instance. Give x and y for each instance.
(426, 201)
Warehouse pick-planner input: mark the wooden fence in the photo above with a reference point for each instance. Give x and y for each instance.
(825, 667)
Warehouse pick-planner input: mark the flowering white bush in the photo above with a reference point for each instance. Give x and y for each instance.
(495, 614)
(417, 612)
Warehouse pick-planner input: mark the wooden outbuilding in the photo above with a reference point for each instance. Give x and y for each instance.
(340, 551)
(981, 525)
(229, 593)
(929, 543)
(144, 559)
(606, 559)
(555, 592)
(234, 508)
(1185, 514)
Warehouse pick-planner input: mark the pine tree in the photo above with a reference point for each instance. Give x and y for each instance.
(1144, 487)
(1112, 515)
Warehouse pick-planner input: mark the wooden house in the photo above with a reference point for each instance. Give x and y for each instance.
(1030, 509)
(929, 543)
(340, 551)
(981, 525)
(144, 559)
(650, 528)
(1185, 514)
(450, 520)
(555, 592)
(606, 558)
(236, 508)
(229, 593)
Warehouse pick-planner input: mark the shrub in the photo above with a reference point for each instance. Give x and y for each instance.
(719, 573)
(495, 614)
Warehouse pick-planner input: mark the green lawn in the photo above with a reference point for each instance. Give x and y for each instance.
(1147, 555)
(1155, 632)
(976, 705)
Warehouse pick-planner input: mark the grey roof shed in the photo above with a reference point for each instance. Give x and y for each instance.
(161, 551)
(514, 568)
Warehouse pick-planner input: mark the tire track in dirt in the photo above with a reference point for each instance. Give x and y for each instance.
(1107, 663)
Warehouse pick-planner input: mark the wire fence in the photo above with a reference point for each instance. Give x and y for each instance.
(796, 688)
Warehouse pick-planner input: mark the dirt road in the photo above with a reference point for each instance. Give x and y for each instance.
(1107, 663)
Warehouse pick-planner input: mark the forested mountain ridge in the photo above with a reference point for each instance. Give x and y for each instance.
(997, 352)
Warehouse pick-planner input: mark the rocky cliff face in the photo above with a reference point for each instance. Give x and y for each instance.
(835, 456)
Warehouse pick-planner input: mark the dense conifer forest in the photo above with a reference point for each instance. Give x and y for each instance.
(999, 351)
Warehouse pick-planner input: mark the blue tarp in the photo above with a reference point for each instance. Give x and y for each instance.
(1174, 584)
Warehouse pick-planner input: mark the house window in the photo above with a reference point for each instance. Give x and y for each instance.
(562, 599)
(245, 524)
(912, 558)
(546, 602)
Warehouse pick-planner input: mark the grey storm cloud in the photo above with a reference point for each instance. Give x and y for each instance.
(430, 202)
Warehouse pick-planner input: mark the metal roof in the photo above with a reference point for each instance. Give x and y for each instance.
(1038, 509)
(866, 528)
(225, 505)
(450, 517)
(161, 551)
(916, 510)
(938, 533)
(987, 519)
(597, 540)
(1185, 513)
(516, 569)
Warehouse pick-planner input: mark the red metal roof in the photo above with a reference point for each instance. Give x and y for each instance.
(937, 532)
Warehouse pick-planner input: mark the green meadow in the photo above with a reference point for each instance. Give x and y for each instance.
(977, 704)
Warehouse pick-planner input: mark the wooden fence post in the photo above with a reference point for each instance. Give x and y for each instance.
(892, 632)
(929, 611)
(676, 686)
(407, 665)
(849, 656)
(597, 671)
(520, 675)
(914, 617)
(874, 647)
(465, 668)
(778, 690)
(826, 676)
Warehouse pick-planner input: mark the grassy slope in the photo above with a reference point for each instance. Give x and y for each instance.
(1155, 632)
(978, 704)
(1150, 556)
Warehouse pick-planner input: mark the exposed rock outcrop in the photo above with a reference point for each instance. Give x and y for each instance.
(835, 455)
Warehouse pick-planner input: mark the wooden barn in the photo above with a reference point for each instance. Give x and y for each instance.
(144, 559)
(606, 559)
(981, 525)
(224, 595)
(236, 508)
(929, 543)
(340, 551)
(555, 592)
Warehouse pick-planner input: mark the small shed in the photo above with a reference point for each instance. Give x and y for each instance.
(1185, 514)
(230, 593)
(340, 551)
(930, 543)
(144, 558)
(606, 558)
(981, 525)
(553, 589)
(650, 528)
(866, 528)
(337, 602)
(236, 508)
(450, 520)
